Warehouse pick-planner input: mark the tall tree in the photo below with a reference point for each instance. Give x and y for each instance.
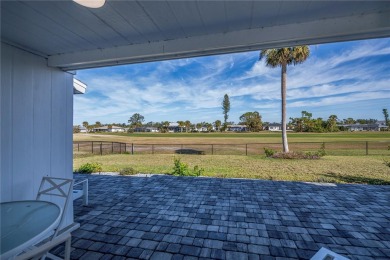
(252, 120)
(136, 120)
(332, 123)
(208, 126)
(226, 109)
(188, 125)
(217, 125)
(164, 126)
(282, 58)
(86, 125)
(349, 121)
(386, 114)
(181, 125)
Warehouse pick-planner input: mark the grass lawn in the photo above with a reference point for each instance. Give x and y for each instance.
(355, 168)
(339, 169)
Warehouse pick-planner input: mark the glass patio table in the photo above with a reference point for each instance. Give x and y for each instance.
(25, 223)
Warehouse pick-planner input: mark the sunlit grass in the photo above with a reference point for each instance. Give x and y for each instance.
(339, 169)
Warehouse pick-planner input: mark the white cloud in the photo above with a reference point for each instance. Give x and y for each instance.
(193, 88)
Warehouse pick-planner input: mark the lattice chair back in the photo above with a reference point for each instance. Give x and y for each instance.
(60, 187)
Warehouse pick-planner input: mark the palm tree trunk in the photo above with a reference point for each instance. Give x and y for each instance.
(283, 92)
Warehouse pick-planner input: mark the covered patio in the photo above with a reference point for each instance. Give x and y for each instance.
(166, 217)
(44, 43)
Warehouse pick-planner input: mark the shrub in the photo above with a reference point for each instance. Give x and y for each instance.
(386, 162)
(182, 169)
(269, 152)
(311, 155)
(128, 171)
(197, 171)
(296, 155)
(90, 168)
(321, 152)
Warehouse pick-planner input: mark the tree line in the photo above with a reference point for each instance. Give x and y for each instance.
(252, 120)
(306, 123)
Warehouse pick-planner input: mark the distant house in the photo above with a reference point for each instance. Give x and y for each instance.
(364, 127)
(83, 129)
(237, 128)
(203, 128)
(152, 130)
(112, 129)
(174, 127)
(274, 127)
(146, 129)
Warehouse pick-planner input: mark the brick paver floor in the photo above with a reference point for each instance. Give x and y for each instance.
(166, 217)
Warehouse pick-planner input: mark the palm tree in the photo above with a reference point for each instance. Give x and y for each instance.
(332, 123)
(217, 125)
(187, 125)
(181, 125)
(282, 58)
(164, 126)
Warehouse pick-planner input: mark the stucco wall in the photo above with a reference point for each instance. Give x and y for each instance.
(36, 124)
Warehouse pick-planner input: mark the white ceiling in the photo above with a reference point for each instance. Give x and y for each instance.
(74, 37)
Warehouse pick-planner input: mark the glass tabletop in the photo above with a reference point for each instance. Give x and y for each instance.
(24, 223)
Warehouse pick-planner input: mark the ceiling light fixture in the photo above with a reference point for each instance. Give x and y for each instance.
(91, 3)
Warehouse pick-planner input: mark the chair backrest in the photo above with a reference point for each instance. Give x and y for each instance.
(52, 186)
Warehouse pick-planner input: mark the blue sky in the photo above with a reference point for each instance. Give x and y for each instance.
(349, 79)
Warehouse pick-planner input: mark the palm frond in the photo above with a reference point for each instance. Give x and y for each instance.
(289, 55)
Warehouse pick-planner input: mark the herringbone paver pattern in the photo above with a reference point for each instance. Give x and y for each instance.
(165, 217)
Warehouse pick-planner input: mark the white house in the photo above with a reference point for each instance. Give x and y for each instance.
(174, 127)
(83, 129)
(111, 129)
(237, 128)
(44, 43)
(274, 127)
(365, 127)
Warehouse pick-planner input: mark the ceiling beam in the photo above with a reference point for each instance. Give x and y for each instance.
(363, 26)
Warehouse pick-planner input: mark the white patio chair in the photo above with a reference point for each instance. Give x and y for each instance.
(326, 254)
(83, 193)
(62, 188)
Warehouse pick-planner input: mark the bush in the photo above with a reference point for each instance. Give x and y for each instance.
(182, 169)
(269, 152)
(296, 155)
(386, 162)
(90, 168)
(321, 152)
(312, 155)
(128, 171)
